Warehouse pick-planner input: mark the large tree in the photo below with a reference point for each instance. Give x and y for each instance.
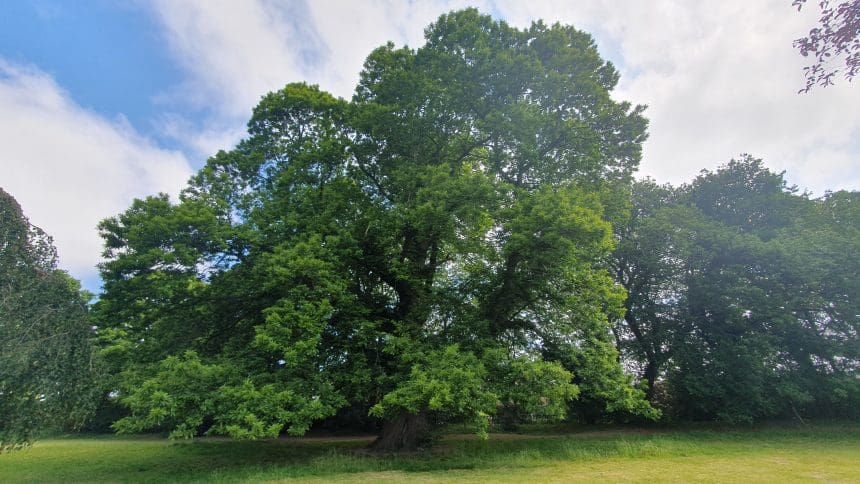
(47, 371)
(432, 250)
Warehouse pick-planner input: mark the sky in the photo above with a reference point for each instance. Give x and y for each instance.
(102, 102)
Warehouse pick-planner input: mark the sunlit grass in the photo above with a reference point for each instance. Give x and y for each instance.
(819, 452)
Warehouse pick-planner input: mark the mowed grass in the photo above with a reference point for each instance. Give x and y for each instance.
(818, 452)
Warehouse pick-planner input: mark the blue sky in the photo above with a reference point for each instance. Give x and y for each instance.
(101, 102)
(111, 58)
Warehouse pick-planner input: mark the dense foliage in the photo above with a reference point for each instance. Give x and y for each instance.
(743, 296)
(434, 249)
(47, 373)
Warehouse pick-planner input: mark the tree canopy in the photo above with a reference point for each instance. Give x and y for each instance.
(434, 249)
(47, 371)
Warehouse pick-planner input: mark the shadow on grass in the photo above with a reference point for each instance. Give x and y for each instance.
(115, 459)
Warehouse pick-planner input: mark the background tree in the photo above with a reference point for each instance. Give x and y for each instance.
(837, 36)
(47, 372)
(739, 298)
(647, 263)
(433, 250)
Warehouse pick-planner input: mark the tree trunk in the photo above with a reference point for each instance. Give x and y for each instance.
(651, 370)
(403, 433)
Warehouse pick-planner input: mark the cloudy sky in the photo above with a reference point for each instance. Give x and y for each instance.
(101, 101)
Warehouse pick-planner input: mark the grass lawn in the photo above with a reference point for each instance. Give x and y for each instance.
(819, 452)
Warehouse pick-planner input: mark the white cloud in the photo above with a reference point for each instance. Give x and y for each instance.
(69, 168)
(235, 52)
(351, 30)
(201, 141)
(720, 78)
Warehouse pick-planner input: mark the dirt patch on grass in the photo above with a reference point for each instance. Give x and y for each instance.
(331, 438)
(455, 437)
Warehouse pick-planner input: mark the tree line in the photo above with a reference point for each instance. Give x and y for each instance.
(462, 241)
(742, 296)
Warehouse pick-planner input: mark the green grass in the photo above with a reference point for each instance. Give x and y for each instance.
(828, 452)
